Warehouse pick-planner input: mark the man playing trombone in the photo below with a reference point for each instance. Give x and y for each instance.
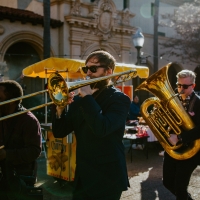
(97, 116)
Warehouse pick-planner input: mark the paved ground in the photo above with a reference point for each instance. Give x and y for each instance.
(145, 177)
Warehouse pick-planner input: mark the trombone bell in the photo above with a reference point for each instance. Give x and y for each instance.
(58, 89)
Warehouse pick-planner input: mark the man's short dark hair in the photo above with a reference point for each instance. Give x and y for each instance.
(12, 90)
(104, 58)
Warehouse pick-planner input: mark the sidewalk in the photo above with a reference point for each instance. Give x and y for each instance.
(145, 177)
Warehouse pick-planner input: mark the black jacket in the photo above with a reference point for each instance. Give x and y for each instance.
(21, 136)
(98, 124)
(193, 134)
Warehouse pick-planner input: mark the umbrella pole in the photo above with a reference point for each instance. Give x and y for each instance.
(123, 87)
(45, 97)
(69, 141)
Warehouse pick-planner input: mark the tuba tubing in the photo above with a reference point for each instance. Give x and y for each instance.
(169, 116)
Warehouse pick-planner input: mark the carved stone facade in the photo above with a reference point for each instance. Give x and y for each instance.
(102, 26)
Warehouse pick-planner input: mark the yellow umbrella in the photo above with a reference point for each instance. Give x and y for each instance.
(142, 71)
(45, 67)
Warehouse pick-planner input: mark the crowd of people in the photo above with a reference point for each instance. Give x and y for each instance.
(97, 116)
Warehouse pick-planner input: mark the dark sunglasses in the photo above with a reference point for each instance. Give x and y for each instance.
(184, 86)
(93, 68)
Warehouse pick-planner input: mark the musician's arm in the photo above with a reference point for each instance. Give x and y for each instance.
(190, 135)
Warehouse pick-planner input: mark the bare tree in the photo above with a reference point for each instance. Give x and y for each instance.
(186, 22)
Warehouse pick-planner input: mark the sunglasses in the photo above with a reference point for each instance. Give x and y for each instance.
(93, 68)
(184, 86)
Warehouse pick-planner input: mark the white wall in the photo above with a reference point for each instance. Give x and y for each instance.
(9, 3)
(166, 9)
(36, 7)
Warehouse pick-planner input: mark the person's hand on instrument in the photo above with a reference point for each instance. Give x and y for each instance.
(173, 139)
(70, 98)
(60, 109)
(86, 90)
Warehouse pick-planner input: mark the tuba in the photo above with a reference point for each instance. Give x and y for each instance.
(168, 115)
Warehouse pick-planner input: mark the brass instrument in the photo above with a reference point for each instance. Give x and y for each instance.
(58, 89)
(168, 115)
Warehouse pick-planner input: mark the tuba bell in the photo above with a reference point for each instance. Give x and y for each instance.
(167, 115)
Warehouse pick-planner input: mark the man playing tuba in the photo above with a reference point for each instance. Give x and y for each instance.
(177, 173)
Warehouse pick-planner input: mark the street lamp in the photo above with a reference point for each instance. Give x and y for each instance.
(138, 41)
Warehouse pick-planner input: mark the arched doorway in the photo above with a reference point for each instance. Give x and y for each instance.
(18, 56)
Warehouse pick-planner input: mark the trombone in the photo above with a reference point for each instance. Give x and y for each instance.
(58, 89)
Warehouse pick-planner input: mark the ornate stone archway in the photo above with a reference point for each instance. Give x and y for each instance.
(100, 26)
(96, 46)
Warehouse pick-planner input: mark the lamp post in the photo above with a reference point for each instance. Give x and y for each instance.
(138, 41)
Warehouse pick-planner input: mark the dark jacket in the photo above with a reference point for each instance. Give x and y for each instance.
(134, 111)
(193, 134)
(99, 128)
(21, 136)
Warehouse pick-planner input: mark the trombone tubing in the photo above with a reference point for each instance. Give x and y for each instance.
(25, 111)
(50, 103)
(23, 97)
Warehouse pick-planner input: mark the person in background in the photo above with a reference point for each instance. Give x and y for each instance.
(20, 145)
(134, 111)
(97, 116)
(177, 173)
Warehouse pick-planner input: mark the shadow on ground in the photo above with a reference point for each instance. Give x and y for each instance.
(145, 176)
(53, 189)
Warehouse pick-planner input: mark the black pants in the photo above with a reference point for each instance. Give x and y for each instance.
(81, 194)
(176, 175)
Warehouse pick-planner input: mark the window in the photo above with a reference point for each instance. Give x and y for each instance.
(152, 9)
(161, 34)
(126, 4)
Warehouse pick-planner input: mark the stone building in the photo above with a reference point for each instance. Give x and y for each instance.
(78, 27)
